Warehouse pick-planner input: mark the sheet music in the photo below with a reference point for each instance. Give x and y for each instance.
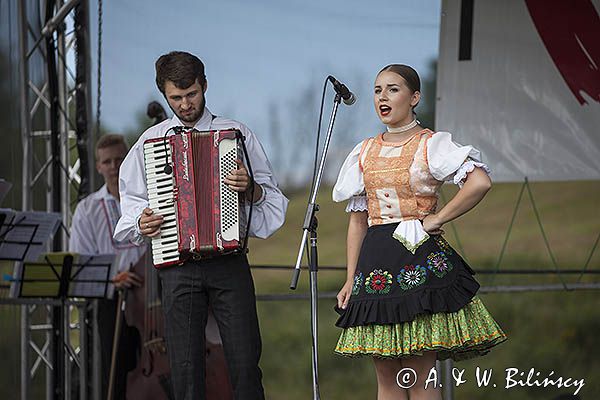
(4, 189)
(47, 225)
(42, 278)
(24, 231)
(90, 273)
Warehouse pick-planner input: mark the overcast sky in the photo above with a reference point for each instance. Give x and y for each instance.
(260, 52)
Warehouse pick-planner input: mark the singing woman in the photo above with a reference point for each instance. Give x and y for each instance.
(409, 297)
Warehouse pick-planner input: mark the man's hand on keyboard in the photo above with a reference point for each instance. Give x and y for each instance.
(150, 223)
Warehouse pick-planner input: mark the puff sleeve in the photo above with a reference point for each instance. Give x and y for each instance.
(449, 160)
(350, 183)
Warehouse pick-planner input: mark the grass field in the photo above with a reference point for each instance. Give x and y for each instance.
(549, 331)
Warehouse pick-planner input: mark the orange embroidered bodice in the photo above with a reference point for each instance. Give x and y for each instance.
(397, 181)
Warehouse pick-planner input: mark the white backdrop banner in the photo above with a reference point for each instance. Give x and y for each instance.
(520, 80)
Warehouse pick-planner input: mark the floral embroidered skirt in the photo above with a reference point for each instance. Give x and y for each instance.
(404, 304)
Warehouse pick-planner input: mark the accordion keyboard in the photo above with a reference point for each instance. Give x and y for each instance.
(161, 201)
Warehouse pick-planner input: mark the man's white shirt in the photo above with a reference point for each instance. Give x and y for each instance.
(268, 212)
(93, 227)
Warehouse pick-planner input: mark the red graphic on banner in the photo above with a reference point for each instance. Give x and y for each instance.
(570, 31)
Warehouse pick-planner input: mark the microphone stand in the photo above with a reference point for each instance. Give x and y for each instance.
(310, 229)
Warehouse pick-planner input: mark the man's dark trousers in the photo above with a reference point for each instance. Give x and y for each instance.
(225, 283)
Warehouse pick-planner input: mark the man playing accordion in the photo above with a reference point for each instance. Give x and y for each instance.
(222, 281)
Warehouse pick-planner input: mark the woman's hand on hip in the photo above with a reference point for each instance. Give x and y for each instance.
(433, 225)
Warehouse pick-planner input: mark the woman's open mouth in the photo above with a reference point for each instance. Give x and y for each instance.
(384, 110)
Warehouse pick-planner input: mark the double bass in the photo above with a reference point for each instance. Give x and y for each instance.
(151, 378)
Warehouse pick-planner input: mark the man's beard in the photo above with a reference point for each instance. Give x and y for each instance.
(195, 116)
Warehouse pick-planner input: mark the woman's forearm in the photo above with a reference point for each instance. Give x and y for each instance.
(473, 191)
(357, 229)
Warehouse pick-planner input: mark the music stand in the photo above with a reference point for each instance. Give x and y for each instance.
(61, 276)
(23, 237)
(92, 275)
(46, 278)
(68, 275)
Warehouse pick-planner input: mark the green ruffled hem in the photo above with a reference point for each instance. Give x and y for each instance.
(467, 333)
(409, 246)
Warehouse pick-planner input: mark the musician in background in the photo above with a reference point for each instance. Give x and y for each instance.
(92, 231)
(223, 282)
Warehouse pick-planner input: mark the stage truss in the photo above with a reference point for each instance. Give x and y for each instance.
(54, 118)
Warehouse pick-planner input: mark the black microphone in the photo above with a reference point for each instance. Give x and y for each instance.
(343, 91)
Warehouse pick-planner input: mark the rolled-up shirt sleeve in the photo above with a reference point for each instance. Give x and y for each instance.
(268, 213)
(133, 194)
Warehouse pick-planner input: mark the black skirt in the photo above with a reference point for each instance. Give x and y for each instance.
(392, 285)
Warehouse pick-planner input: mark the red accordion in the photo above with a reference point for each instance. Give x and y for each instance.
(184, 176)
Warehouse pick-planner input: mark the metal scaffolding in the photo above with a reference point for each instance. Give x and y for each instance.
(54, 113)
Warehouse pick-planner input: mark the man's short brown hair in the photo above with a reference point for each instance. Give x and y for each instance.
(181, 68)
(109, 140)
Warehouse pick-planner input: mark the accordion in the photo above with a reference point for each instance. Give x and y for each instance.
(184, 177)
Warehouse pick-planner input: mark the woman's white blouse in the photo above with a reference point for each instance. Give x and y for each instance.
(446, 161)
